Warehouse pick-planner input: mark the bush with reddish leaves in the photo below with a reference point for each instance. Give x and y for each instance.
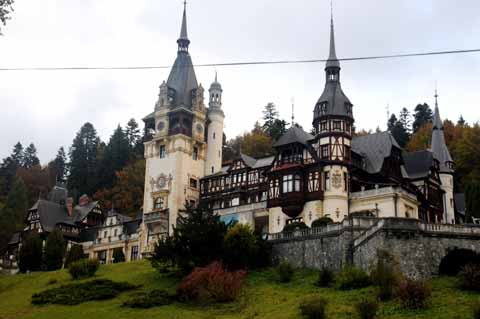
(414, 294)
(211, 283)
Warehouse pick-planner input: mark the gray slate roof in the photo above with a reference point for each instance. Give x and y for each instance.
(80, 212)
(294, 134)
(374, 148)
(51, 214)
(439, 146)
(58, 194)
(332, 57)
(183, 80)
(418, 164)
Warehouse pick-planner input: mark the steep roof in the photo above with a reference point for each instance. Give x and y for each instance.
(183, 80)
(294, 134)
(374, 148)
(439, 146)
(80, 212)
(51, 214)
(418, 164)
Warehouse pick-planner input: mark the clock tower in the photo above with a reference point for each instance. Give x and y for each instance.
(175, 147)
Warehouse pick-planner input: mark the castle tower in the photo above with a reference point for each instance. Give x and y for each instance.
(176, 150)
(215, 118)
(333, 121)
(441, 153)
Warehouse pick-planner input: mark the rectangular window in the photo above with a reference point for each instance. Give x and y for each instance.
(195, 153)
(134, 253)
(337, 125)
(287, 184)
(163, 151)
(193, 183)
(324, 151)
(323, 126)
(105, 234)
(345, 181)
(115, 232)
(347, 152)
(327, 181)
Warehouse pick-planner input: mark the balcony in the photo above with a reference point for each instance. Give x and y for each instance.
(155, 216)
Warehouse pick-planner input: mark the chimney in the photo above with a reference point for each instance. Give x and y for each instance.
(83, 200)
(70, 206)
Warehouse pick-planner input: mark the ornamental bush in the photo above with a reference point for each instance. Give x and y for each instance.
(211, 283)
(470, 277)
(385, 275)
(476, 310)
(30, 257)
(284, 271)
(294, 226)
(322, 221)
(239, 246)
(367, 309)
(83, 268)
(352, 278)
(326, 278)
(314, 308)
(74, 254)
(73, 294)
(150, 299)
(414, 294)
(54, 250)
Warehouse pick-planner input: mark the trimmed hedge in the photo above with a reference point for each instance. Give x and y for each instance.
(74, 294)
(314, 308)
(83, 268)
(352, 278)
(150, 299)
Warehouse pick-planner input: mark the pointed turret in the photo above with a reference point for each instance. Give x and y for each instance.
(182, 81)
(332, 61)
(439, 147)
(332, 102)
(183, 41)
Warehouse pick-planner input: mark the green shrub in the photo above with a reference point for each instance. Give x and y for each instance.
(284, 271)
(414, 294)
(239, 247)
(150, 299)
(83, 268)
(352, 278)
(211, 283)
(31, 253)
(322, 221)
(367, 309)
(385, 275)
(476, 310)
(470, 277)
(74, 294)
(294, 226)
(314, 308)
(118, 255)
(326, 278)
(263, 253)
(74, 254)
(54, 250)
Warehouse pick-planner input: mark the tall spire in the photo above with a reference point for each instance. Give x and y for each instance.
(439, 146)
(332, 61)
(183, 41)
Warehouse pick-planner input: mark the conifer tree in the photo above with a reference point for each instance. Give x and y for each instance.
(30, 157)
(54, 250)
(60, 165)
(116, 156)
(83, 166)
(31, 253)
(74, 254)
(423, 115)
(132, 132)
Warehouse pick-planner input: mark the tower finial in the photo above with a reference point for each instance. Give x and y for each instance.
(183, 41)
(436, 95)
(293, 111)
(332, 56)
(216, 76)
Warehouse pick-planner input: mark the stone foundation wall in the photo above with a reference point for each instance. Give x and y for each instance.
(419, 248)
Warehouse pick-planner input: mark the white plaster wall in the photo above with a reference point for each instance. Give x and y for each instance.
(336, 199)
(447, 186)
(214, 143)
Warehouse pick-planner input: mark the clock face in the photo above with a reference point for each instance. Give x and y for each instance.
(161, 126)
(199, 128)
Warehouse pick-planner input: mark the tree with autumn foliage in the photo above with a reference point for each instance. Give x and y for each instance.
(257, 143)
(126, 195)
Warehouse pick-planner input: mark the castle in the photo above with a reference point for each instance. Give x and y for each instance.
(333, 173)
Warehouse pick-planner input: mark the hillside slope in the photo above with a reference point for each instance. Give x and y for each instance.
(262, 298)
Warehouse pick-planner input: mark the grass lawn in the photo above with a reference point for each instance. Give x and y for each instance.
(263, 297)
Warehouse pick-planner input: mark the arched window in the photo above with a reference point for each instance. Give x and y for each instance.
(159, 202)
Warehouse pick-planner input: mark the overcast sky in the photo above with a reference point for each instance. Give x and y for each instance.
(49, 107)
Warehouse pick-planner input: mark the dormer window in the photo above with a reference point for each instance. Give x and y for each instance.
(348, 107)
(323, 126)
(323, 108)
